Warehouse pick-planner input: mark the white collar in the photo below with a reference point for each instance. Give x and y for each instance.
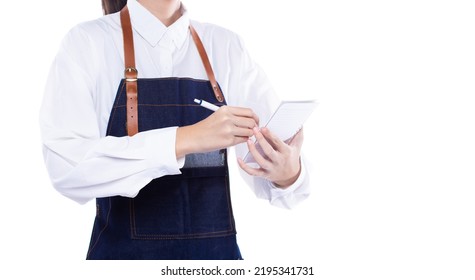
(153, 30)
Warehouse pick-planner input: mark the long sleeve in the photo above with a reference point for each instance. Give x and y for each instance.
(82, 163)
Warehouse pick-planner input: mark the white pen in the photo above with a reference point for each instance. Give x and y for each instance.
(206, 104)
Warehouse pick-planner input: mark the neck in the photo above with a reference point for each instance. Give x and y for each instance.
(167, 11)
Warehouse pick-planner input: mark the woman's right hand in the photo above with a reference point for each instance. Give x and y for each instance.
(224, 128)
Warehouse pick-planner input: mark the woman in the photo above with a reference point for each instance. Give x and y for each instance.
(119, 125)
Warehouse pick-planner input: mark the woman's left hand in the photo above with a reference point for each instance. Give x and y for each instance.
(280, 162)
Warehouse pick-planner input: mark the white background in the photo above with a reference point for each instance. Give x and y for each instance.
(392, 141)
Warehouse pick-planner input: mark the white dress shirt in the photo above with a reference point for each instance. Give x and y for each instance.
(82, 162)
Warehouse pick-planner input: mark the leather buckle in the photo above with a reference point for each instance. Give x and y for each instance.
(131, 74)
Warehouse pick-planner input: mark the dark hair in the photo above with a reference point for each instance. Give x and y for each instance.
(112, 6)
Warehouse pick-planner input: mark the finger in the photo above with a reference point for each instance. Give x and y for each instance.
(256, 118)
(239, 139)
(263, 162)
(242, 132)
(272, 139)
(245, 122)
(250, 170)
(297, 140)
(244, 112)
(267, 148)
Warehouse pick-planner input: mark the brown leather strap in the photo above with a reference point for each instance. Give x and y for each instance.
(130, 73)
(207, 65)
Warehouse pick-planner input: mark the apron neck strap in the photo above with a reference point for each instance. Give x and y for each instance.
(129, 53)
(209, 70)
(130, 73)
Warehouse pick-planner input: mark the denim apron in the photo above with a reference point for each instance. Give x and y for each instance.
(186, 216)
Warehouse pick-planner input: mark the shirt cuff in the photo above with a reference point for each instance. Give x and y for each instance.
(181, 162)
(162, 157)
(279, 192)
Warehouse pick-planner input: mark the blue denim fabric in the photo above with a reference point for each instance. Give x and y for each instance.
(187, 216)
